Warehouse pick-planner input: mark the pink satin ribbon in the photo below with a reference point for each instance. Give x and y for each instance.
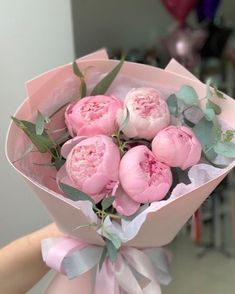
(134, 271)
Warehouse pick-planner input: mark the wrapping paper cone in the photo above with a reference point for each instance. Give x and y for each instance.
(57, 87)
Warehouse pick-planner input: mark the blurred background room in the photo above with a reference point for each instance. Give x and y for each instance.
(39, 35)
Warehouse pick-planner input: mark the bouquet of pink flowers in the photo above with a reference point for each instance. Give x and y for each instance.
(121, 154)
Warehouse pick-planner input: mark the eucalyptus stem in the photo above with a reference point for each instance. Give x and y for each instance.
(61, 107)
(121, 144)
(103, 214)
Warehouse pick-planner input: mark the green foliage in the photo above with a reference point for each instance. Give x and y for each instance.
(173, 105)
(188, 95)
(42, 142)
(107, 202)
(209, 114)
(58, 162)
(104, 84)
(78, 73)
(226, 149)
(112, 245)
(74, 194)
(218, 93)
(114, 239)
(40, 123)
(112, 252)
(102, 257)
(211, 105)
(209, 93)
(204, 132)
(228, 135)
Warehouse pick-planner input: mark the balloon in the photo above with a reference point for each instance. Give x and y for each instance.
(184, 45)
(180, 8)
(206, 9)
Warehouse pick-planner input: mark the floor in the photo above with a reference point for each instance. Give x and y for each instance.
(212, 274)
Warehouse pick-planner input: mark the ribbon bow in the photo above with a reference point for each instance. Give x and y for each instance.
(134, 271)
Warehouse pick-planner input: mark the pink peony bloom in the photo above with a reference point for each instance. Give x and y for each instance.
(124, 204)
(94, 115)
(177, 147)
(142, 177)
(148, 113)
(92, 166)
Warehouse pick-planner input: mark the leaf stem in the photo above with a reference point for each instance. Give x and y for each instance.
(103, 214)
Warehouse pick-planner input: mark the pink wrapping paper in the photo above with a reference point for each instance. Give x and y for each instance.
(167, 220)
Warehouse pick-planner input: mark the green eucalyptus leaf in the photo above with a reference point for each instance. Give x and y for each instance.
(218, 93)
(188, 95)
(40, 123)
(42, 142)
(77, 72)
(74, 194)
(124, 123)
(107, 202)
(192, 115)
(188, 122)
(226, 149)
(228, 135)
(209, 114)
(211, 105)
(209, 93)
(217, 131)
(83, 88)
(204, 132)
(105, 83)
(212, 163)
(59, 162)
(59, 109)
(172, 104)
(114, 238)
(112, 251)
(102, 257)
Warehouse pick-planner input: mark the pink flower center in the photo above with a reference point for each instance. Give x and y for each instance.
(94, 110)
(147, 105)
(84, 161)
(153, 169)
(184, 137)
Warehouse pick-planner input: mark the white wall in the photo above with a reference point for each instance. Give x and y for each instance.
(34, 36)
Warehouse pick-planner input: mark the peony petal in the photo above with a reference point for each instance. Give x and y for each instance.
(153, 193)
(93, 115)
(124, 204)
(98, 197)
(95, 184)
(111, 159)
(90, 130)
(131, 176)
(148, 113)
(62, 177)
(67, 147)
